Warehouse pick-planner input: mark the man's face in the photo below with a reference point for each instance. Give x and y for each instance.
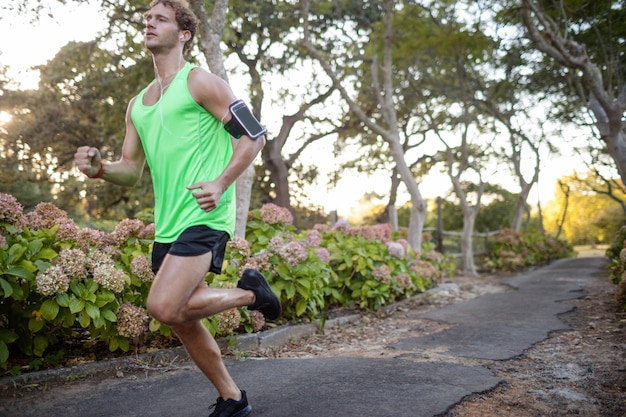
(161, 28)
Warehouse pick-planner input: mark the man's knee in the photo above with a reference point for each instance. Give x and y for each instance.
(163, 310)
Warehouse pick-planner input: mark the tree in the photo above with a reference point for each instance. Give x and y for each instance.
(584, 38)
(261, 37)
(385, 121)
(591, 217)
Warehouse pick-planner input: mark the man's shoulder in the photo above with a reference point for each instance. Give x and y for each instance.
(204, 76)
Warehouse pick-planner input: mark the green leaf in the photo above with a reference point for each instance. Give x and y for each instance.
(35, 324)
(108, 315)
(63, 299)
(4, 353)
(114, 344)
(8, 336)
(154, 325)
(104, 297)
(305, 282)
(91, 286)
(6, 288)
(84, 320)
(290, 289)
(76, 305)
(49, 309)
(47, 253)
(300, 306)
(42, 265)
(40, 344)
(35, 245)
(119, 342)
(92, 310)
(20, 272)
(98, 322)
(15, 252)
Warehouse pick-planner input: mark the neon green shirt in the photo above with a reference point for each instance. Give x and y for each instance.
(184, 144)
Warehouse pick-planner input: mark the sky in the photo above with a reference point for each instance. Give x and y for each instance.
(24, 44)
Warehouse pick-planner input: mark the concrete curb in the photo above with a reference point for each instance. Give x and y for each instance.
(159, 360)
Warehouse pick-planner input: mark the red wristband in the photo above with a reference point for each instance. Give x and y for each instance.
(100, 172)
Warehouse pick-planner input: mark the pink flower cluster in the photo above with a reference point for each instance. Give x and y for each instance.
(131, 320)
(433, 256)
(263, 262)
(109, 277)
(382, 273)
(382, 232)
(141, 267)
(46, 216)
(321, 227)
(228, 321)
(276, 242)
(404, 281)
(395, 249)
(104, 271)
(425, 270)
(126, 229)
(53, 280)
(148, 232)
(11, 211)
(257, 319)
(240, 246)
(323, 254)
(273, 214)
(72, 262)
(294, 253)
(313, 239)
(87, 238)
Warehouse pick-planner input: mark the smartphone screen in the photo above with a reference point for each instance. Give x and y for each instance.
(247, 120)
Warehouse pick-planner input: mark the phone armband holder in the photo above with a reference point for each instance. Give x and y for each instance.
(243, 122)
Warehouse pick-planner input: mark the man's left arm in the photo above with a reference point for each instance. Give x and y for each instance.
(215, 95)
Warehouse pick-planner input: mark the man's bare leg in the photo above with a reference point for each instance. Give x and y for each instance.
(180, 298)
(205, 352)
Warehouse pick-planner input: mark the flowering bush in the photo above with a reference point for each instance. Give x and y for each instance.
(510, 250)
(370, 269)
(58, 280)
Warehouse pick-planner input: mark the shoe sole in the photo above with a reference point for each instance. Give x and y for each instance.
(243, 413)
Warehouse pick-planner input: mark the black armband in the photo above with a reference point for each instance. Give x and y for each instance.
(243, 122)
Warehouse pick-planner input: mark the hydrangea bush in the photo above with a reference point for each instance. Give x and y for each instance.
(60, 283)
(510, 250)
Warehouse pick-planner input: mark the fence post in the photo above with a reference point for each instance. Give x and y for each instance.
(439, 238)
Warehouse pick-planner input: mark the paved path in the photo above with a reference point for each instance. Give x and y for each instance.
(492, 327)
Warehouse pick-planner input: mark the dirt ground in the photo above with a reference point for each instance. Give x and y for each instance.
(579, 372)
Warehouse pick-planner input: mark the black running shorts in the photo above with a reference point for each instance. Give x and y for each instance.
(194, 241)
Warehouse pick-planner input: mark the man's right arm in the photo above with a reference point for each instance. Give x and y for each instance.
(127, 170)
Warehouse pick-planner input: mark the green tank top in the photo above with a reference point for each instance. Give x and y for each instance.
(184, 144)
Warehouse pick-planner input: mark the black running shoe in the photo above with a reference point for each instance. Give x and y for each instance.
(266, 301)
(231, 408)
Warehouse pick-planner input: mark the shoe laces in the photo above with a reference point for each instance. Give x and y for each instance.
(216, 406)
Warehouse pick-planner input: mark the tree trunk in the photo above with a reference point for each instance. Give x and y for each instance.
(467, 250)
(391, 132)
(279, 172)
(210, 39)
